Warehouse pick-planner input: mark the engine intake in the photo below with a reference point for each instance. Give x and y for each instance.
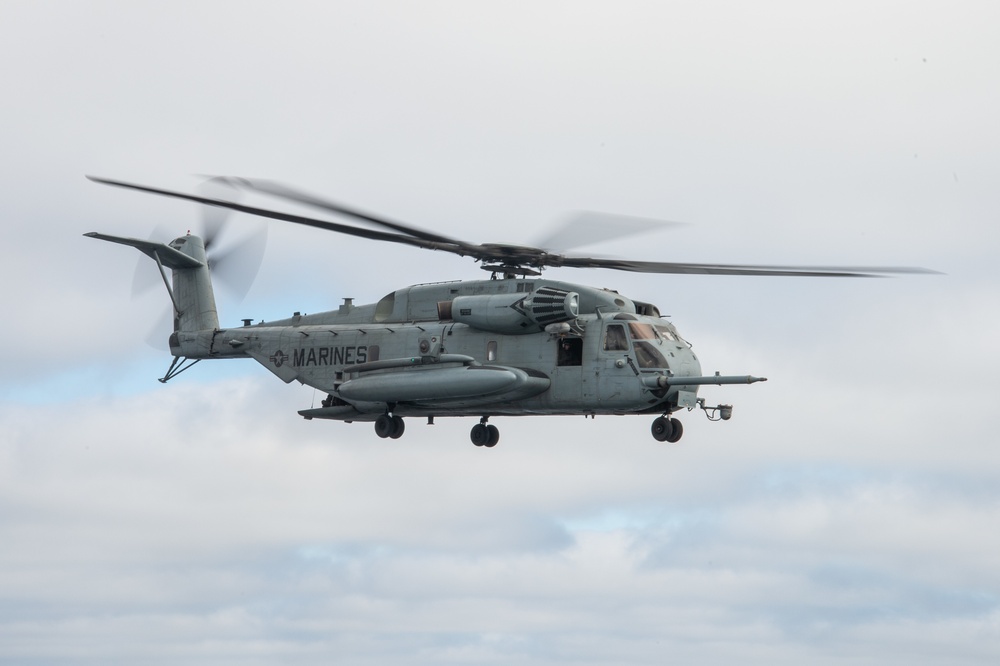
(513, 313)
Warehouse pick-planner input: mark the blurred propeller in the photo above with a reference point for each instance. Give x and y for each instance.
(501, 258)
(234, 263)
(147, 275)
(236, 266)
(161, 330)
(213, 218)
(298, 196)
(588, 227)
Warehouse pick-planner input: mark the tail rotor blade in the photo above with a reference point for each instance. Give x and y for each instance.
(160, 332)
(146, 276)
(237, 266)
(214, 218)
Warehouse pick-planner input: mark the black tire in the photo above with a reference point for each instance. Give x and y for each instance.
(479, 434)
(398, 426)
(384, 426)
(494, 436)
(676, 431)
(662, 429)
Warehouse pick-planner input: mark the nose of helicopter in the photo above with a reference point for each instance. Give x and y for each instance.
(689, 365)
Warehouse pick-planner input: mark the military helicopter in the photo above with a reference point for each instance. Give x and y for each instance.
(516, 344)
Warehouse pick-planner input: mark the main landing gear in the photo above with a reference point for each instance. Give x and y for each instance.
(389, 425)
(666, 429)
(484, 434)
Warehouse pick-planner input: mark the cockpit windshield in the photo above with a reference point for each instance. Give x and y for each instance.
(652, 343)
(646, 341)
(641, 331)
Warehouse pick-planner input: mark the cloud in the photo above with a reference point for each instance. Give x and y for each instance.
(845, 513)
(211, 519)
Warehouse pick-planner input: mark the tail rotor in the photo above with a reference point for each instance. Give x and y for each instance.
(234, 257)
(233, 262)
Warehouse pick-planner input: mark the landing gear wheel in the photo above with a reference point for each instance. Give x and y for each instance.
(480, 434)
(384, 426)
(676, 430)
(397, 427)
(493, 434)
(662, 429)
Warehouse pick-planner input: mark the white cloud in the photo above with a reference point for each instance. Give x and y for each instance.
(846, 512)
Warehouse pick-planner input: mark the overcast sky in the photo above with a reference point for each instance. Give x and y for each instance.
(847, 513)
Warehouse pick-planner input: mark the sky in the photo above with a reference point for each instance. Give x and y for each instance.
(847, 513)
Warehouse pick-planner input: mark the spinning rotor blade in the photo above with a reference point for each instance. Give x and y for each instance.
(146, 276)
(237, 266)
(297, 219)
(213, 218)
(281, 191)
(160, 331)
(737, 269)
(500, 257)
(588, 227)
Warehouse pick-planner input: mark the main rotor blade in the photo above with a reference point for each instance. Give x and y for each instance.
(371, 234)
(736, 269)
(587, 227)
(282, 191)
(508, 256)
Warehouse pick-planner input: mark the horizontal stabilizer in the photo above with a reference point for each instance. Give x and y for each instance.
(168, 256)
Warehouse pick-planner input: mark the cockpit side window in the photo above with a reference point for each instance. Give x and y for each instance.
(666, 333)
(614, 338)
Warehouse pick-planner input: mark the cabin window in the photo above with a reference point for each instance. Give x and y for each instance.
(614, 338)
(491, 350)
(570, 351)
(372, 353)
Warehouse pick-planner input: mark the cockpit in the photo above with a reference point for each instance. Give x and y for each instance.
(652, 343)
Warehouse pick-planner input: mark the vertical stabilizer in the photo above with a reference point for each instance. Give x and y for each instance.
(191, 290)
(194, 299)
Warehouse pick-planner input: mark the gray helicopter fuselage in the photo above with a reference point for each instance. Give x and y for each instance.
(485, 347)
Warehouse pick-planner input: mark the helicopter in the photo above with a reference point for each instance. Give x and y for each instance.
(516, 344)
